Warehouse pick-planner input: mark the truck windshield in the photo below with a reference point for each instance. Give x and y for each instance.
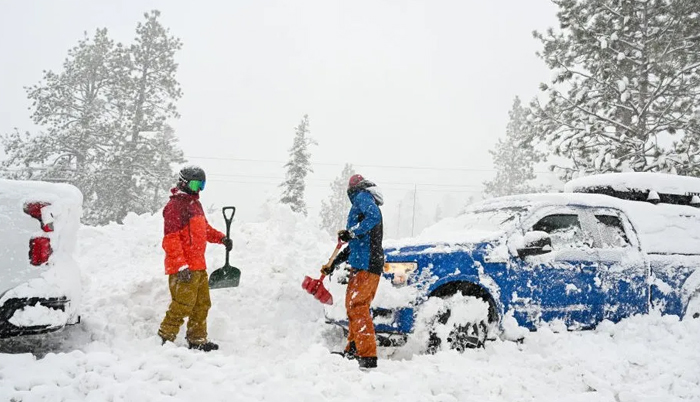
(491, 220)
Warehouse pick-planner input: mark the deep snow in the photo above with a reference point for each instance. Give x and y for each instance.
(275, 345)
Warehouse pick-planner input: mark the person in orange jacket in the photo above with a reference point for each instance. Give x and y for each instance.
(186, 235)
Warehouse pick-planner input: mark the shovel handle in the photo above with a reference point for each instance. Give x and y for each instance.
(228, 219)
(335, 252)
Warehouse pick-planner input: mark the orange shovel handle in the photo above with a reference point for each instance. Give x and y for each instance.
(335, 254)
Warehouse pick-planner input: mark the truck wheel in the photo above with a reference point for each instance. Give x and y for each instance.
(460, 324)
(693, 308)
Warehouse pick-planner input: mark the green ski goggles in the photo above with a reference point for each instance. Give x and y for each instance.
(196, 185)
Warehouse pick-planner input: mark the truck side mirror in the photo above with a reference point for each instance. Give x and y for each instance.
(535, 243)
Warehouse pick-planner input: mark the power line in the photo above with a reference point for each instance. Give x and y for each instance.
(341, 164)
(279, 179)
(406, 189)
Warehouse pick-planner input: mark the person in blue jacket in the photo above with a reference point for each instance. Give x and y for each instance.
(365, 255)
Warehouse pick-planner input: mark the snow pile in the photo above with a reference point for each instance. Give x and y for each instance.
(462, 311)
(38, 315)
(275, 345)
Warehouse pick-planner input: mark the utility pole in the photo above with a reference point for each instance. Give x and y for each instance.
(413, 223)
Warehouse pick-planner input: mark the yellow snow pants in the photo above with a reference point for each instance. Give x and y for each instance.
(189, 299)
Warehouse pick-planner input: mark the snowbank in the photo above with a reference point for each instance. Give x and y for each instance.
(275, 345)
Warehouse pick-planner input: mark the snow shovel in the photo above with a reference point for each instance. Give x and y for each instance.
(226, 276)
(315, 286)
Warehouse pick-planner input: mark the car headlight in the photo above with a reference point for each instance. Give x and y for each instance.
(400, 270)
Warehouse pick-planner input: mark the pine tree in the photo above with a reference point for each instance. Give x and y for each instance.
(104, 118)
(514, 157)
(74, 109)
(626, 82)
(298, 167)
(334, 212)
(147, 95)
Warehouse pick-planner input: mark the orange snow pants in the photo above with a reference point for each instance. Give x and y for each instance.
(360, 292)
(189, 299)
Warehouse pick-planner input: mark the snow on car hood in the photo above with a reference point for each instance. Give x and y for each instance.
(470, 228)
(443, 241)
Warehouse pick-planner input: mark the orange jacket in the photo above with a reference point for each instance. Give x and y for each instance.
(186, 233)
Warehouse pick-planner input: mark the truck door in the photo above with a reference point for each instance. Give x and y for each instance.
(622, 268)
(560, 285)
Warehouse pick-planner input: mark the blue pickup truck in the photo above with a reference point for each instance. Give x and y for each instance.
(573, 259)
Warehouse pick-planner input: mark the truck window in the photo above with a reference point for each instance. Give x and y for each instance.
(564, 230)
(612, 232)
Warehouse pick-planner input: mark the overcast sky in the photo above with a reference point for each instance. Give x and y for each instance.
(385, 83)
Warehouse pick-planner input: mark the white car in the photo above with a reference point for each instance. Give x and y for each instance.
(39, 277)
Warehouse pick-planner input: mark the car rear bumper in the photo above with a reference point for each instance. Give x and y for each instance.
(8, 309)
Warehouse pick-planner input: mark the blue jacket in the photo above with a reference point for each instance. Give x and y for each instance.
(365, 221)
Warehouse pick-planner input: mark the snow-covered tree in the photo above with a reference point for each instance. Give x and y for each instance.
(298, 167)
(514, 157)
(71, 106)
(334, 212)
(74, 109)
(103, 120)
(625, 92)
(147, 91)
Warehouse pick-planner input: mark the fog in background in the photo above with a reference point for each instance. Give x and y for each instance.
(412, 93)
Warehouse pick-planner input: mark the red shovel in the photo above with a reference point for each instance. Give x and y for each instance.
(315, 286)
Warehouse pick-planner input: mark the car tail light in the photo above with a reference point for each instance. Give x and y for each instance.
(39, 250)
(33, 209)
(39, 247)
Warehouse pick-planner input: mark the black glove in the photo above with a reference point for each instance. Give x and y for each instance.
(184, 275)
(228, 243)
(345, 235)
(327, 269)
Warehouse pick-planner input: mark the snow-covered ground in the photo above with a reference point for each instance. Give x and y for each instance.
(275, 345)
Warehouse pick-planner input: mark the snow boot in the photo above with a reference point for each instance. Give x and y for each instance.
(367, 362)
(207, 346)
(350, 353)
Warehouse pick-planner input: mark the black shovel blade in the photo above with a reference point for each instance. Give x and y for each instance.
(225, 277)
